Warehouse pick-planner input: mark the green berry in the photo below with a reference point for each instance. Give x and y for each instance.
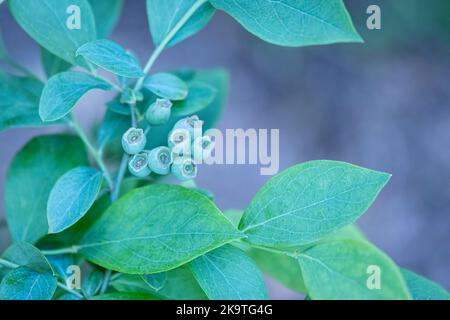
(159, 112)
(192, 124)
(179, 141)
(138, 165)
(184, 169)
(160, 160)
(202, 148)
(134, 141)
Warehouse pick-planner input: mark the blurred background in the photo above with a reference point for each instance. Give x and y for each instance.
(384, 105)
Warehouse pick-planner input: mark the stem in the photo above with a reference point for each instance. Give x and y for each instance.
(167, 39)
(120, 175)
(106, 280)
(75, 125)
(65, 288)
(72, 249)
(8, 264)
(95, 74)
(287, 253)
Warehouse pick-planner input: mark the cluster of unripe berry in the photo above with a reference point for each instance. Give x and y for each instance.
(186, 146)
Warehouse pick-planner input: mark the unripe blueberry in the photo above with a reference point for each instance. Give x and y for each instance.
(134, 141)
(160, 159)
(159, 112)
(202, 148)
(192, 124)
(184, 169)
(138, 165)
(179, 141)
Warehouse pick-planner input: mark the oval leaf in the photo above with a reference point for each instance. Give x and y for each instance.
(155, 229)
(47, 22)
(43, 159)
(112, 57)
(309, 201)
(227, 273)
(71, 197)
(167, 86)
(200, 96)
(63, 91)
(164, 15)
(424, 289)
(292, 22)
(53, 64)
(342, 270)
(24, 283)
(124, 296)
(27, 255)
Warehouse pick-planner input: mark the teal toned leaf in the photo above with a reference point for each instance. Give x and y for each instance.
(124, 296)
(200, 96)
(44, 158)
(342, 270)
(180, 284)
(110, 56)
(424, 289)
(117, 107)
(310, 201)
(291, 22)
(155, 229)
(164, 15)
(234, 216)
(24, 283)
(112, 128)
(92, 283)
(46, 22)
(72, 196)
(167, 86)
(53, 64)
(63, 91)
(25, 254)
(156, 281)
(227, 273)
(107, 14)
(19, 102)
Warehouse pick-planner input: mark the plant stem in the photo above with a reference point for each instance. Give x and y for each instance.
(95, 74)
(75, 125)
(65, 288)
(120, 175)
(106, 280)
(72, 249)
(159, 49)
(8, 264)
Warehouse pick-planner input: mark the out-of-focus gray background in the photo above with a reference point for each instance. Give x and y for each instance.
(384, 105)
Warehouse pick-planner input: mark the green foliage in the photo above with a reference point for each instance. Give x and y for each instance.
(72, 196)
(44, 158)
(63, 91)
(138, 239)
(46, 23)
(309, 201)
(112, 57)
(291, 22)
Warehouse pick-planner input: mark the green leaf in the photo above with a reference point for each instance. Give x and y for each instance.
(341, 270)
(63, 91)
(180, 284)
(110, 56)
(156, 281)
(164, 15)
(30, 178)
(107, 14)
(291, 22)
(53, 64)
(227, 273)
(155, 229)
(92, 283)
(310, 201)
(201, 95)
(19, 102)
(24, 283)
(25, 254)
(72, 196)
(46, 22)
(117, 107)
(112, 128)
(424, 289)
(167, 86)
(124, 296)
